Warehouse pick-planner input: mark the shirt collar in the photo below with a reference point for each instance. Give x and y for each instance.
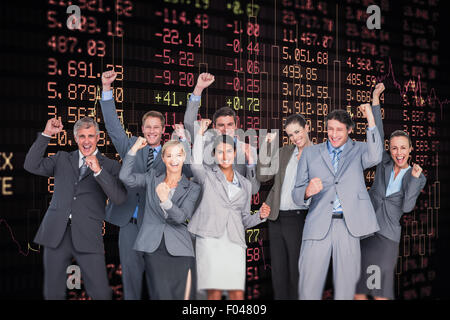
(331, 148)
(82, 155)
(157, 149)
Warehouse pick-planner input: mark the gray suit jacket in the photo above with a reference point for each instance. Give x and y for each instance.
(121, 215)
(348, 182)
(249, 172)
(84, 199)
(216, 213)
(283, 155)
(390, 209)
(172, 223)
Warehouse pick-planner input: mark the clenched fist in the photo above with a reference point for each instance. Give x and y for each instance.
(204, 124)
(247, 150)
(366, 110)
(416, 170)
(108, 77)
(139, 144)
(313, 188)
(379, 88)
(162, 190)
(53, 126)
(204, 81)
(178, 131)
(264, 211)
(92, 163)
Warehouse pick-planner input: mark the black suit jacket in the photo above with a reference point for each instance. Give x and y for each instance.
(85, 200)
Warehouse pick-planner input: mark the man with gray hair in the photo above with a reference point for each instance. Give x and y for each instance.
(72, 225)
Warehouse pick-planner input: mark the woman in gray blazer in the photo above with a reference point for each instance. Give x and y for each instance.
(221, 218)
(393, 193)
(163, 235)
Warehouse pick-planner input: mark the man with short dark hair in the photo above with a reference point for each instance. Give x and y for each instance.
(72, 225)
(224, 122)
(340, 212)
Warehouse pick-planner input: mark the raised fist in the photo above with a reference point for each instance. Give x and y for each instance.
(204, 124)
(379, 88)
(53, 126)
(178, 131)
(365, 109)
(204, 80)
(108, 77)
(270, 137)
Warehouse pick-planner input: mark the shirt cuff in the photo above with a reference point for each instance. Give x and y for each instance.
(251, 166)
(131, 153)
(166, 205)
(371, 128)
(46, 135)
(96, 174)
(193, 97)
(107, 95)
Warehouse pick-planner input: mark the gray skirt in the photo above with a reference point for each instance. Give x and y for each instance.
(380, 251)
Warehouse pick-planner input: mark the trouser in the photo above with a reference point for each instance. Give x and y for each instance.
(132, 261)
(315, 259)
(285, 235)
(92, 267)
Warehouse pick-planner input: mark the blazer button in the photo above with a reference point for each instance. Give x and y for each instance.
(331, 202)
(74, 198)
(336, 182)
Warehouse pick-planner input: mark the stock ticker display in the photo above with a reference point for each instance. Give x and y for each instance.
(270, 59)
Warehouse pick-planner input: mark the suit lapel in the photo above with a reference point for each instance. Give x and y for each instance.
(223, 183)
(181, 189)
(239, 195)
(284, 160)
(388, 166)
(345, 154)
(74, 159)
(326, 157)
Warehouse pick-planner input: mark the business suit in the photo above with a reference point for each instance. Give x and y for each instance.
(381, 249)
(163, 235)
(285, 229)
(81, 236)
(132, 262)
(324, 236)
(219, 222)
(239, 164)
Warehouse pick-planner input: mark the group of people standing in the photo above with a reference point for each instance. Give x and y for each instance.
(182, 223)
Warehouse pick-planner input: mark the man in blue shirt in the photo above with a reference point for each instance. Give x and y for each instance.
(340, 212)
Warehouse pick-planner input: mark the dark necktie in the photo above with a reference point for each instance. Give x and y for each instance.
(83, 169)
(150, 158)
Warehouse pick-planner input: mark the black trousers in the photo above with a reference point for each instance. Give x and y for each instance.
(133, 263)
(92, 266)
(285, 238)
(168, 274)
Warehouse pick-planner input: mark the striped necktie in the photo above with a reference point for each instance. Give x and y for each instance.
(335, 161)
(150, 158)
